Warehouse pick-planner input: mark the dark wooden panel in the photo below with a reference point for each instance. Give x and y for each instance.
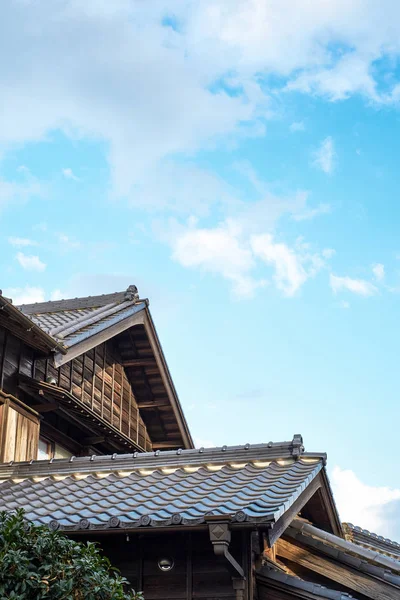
(99, 380)
(198, 574)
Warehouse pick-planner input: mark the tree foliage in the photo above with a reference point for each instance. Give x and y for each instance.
(36, 564)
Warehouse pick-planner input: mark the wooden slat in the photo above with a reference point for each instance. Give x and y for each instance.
(168, 444)
(140, 362)
(48, 407)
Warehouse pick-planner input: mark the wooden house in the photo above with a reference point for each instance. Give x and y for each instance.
(93, 442)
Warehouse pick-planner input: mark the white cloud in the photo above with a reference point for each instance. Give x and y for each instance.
(21, 242)
(69, 174)
(289, 272)
(218, 250)
(67, 243)
(150, 91)
(356, 286)
(362, 504)
(311, 213)
(30, 263)
(293, 266)
(40, 227)
(378, 270)
(25, 295)
(57, 295)
(12, 192)
(328, 252)
(297, 126)
(324, 157)
(233, 251)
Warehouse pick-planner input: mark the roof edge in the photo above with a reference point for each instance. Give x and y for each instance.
(23, 319)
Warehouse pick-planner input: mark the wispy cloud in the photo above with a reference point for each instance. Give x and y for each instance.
(292, 266)
(356, 286)
(324, 157)
(218, 250)
(25, 295)
(67, 243)
(297, 126)
(363, 504)
(310, 213)
(378, 270)
(30, 263)
(21, 242)
(69, 174)
(234, 252)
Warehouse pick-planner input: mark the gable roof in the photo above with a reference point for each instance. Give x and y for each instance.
(367, 560)
(27, 330)
(77, 325)
(367, 539)
(73, 321)
(244, 484)
(276, 579)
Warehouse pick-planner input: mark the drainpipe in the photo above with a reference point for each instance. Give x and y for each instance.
(220, 537)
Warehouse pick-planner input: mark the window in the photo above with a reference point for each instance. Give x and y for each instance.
(44, 449)
(47, 450)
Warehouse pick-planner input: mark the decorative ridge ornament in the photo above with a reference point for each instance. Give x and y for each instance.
(132, 294)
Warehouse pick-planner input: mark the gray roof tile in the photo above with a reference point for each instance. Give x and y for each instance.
(242, 483)
(366, 538)
(72, 321)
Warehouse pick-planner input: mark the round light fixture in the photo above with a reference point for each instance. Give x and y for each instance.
(51, 380)
(165, 564)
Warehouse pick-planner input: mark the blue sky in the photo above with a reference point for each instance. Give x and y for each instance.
(238, 162)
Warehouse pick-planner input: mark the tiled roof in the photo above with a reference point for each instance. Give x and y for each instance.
(267, 573)
(367, 561)
(255, 483)
(72, 321)
(365, 538)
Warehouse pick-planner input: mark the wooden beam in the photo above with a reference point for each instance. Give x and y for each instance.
(93, 440)
(139, 362)
(342, 574)
(154, 404)
(48, 407)
(284, 521)
(166, 445)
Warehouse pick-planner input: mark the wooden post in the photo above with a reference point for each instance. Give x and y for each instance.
(3, 359)
(189, 567)
(102, 383)
(93, 377)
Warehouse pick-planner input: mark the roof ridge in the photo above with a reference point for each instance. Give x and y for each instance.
(315, 535)
(131, 293)
(257, 453)
(374, 536)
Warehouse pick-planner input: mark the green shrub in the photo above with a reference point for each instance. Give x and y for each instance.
(37, 563)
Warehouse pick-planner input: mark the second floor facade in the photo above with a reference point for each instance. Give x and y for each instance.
(85, 376)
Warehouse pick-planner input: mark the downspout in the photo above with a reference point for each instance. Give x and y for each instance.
(220, 536)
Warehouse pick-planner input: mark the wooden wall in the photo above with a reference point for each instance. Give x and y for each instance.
(15, 357)
(197, 574)
(98, 379)
(19, 430)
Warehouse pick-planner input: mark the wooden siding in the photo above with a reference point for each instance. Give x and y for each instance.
(98, 379)
(15, 357)
(19, 430)
(197, 573)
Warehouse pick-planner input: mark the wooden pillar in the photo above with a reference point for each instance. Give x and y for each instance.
(189, 567)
